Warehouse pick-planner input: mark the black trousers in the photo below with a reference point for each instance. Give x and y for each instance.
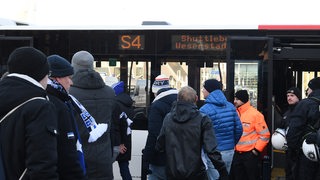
(292, 167)
(245, 166)
(308, 170)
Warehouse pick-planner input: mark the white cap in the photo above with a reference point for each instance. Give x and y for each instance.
(161, 81)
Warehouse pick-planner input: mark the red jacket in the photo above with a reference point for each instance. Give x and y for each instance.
(255, 134)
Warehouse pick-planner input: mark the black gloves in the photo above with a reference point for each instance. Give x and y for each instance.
(311, 138)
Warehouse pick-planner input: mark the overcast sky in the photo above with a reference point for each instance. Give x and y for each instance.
(175, 12)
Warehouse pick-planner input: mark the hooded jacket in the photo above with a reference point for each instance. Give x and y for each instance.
(184, 133)
(158, 110)
(29, 135)
(99, 100)
(225, 120)
(125, 103)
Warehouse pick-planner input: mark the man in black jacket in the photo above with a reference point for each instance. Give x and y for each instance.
(183, 136)
(303, 125)
(70, 164)
(293, 98)
(29, 134)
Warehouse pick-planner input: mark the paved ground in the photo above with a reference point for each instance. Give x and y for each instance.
(277, 174)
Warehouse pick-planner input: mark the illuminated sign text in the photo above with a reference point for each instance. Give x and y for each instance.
(199, 42)
(131, 42)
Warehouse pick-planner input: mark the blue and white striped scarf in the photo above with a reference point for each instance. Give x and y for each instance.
(95, 130)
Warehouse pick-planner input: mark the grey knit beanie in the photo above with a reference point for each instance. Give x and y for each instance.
(82, 60)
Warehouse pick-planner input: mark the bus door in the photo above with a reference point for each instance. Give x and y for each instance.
(7, 45)
(296, 61)
(249, 67)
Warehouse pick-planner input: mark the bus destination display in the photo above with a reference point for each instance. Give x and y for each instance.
(131, 42)
(199, 42)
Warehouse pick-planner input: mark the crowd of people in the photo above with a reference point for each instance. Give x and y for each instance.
(59, 120)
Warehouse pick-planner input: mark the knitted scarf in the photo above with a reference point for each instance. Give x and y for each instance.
(128, 120)
(60, 91)
(95, 130)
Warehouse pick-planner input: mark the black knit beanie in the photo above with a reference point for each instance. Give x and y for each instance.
(295, 91)
(59, 66)
(242, 95)
(211, 85)
(28, 61)
(314, 83)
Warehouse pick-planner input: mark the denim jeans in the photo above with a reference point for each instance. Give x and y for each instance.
(227, 157)
(158, 172)
(124, 170)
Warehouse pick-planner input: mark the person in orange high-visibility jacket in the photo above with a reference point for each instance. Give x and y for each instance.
(254, 139)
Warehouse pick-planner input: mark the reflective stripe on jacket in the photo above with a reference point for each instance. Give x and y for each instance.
(255, 134)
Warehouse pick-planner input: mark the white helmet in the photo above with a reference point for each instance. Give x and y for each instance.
(311, 151)
(278, 139)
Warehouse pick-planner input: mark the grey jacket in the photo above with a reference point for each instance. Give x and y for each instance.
(99, 100)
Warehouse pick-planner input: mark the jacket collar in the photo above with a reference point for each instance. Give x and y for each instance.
(244, 107)
(27, 78)
(165, 93)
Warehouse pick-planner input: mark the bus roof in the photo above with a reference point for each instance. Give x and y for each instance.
(127, 14)
(166, 27)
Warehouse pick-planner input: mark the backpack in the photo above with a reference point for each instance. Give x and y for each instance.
(2, 168)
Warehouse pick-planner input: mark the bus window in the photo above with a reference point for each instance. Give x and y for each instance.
(109, 74)
(306, 77)
(246, 77)
(176, 72)
(212, 72)
(140, 82)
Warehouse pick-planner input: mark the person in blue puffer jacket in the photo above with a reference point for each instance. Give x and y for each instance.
(225, 122)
